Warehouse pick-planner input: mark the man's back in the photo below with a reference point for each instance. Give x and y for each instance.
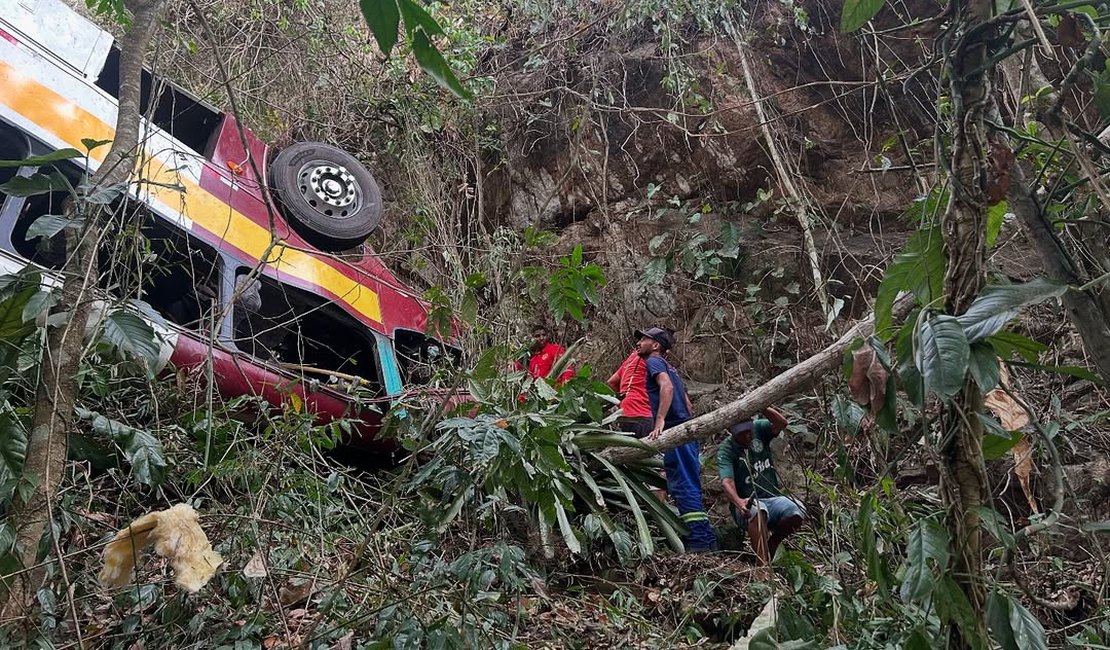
(632, 387)
(678, 413)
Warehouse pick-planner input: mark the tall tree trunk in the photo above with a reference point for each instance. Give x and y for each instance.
(963, 472)
(56, 394)
(1088, 309)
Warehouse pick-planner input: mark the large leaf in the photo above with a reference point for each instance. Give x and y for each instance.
(647, 546)
(941, 354)
(877, 568)
(983, 364)
(953, 606)
(999, 303)
(857, 12)
(13, 447)
(433, 63)
(1012, 626)
(36, 184)
(13, 303)
(1007, 344)
(907, 371)
(383, 18)
(416, 17)
(132, 335)
(35, 161)
(997, 441)
(49, 225)
(927, 548)
(919, 269)
(565, 528)
(141, 449)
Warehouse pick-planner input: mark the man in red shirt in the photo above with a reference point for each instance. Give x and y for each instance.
(629, 382)
(545, 354)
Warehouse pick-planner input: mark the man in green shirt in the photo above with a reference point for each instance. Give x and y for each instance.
(748, 476)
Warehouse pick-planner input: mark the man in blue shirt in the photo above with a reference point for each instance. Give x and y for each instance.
(670, 406)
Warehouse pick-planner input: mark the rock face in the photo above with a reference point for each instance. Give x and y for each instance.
(638, 154)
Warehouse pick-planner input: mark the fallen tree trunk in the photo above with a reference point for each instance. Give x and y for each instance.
(801, 377)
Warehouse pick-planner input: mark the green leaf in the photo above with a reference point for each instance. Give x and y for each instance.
(35, 184)
(994, 524)
(565, 528)
(996, 214)
(917, 640)
(919, 269)
(432, 62)
(605, 440)
(953, 606)
(13, 448)
(657, 241)
(383, 18)
(91, 144)
(141, 449)
(132, 335)
(877, 568)
(999, 303)
(907, 371)
(12, 326)
(1071, 371)
(415, 17)
(35, 161)
(1013, 626)
(49, 225)
(998, 620)
(730, 241)
(941, 354)
(927, 547)
(646, 543)
(983, 364)
(1007, 344)
(856, 13)
(39, 303)
(998, 441)
(103, 194)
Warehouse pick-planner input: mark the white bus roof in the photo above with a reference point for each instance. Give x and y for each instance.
(59, 32)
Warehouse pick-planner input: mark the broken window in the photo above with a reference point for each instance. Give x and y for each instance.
(174, 110)
(302, 332)
(155, 261)
(421, 358)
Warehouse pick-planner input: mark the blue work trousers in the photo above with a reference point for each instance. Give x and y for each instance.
(684, 485)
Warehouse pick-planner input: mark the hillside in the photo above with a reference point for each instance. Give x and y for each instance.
(752, 177)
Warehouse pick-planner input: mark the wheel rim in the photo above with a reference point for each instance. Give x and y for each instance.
(329, 189)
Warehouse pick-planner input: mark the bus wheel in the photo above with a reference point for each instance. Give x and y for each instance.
(329, 197)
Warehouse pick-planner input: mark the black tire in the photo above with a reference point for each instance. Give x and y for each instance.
(327, 195)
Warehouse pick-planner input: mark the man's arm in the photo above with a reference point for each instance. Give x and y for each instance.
(666, 394)
(778, 420)
(689, 404)
(729, 486)
(614, 382)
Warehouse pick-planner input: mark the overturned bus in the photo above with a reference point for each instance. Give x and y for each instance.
(255, 259)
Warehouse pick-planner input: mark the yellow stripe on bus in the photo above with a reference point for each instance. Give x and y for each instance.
(70, 123)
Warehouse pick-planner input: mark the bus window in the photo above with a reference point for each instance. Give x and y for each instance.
(302, 332)
(421, 358)
(177, 274)
(49, 253)
(176, 110)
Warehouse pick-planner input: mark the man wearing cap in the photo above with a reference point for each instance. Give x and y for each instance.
(748, 477)
(670, 406)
